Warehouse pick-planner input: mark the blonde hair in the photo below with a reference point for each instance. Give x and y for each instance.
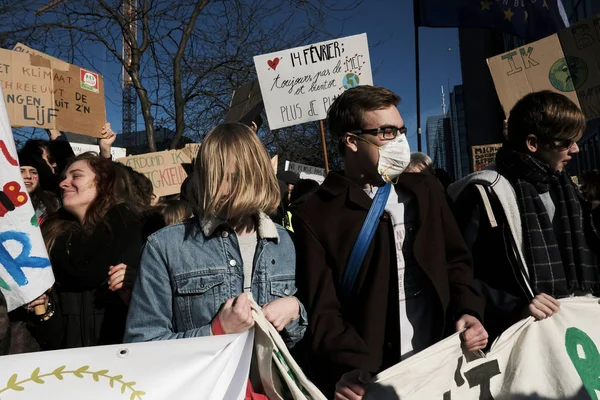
(420, 162)
(233, 175)
(174, 211)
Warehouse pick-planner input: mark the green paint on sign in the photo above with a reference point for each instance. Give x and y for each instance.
(350, 80)
(568, 74)
(588, 363)
(4, 285)
(34, 221)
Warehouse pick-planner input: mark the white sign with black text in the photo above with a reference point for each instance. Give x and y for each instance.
(298, 85)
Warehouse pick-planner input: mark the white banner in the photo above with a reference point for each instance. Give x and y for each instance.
(556, 358)
(214, 367)
(78, 148)
(306, 171)
(298, 85)
(25, 271)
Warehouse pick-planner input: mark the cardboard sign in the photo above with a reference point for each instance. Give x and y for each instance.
(25, 270)
(246, 104)
(163, 168)
(44, 92)
(192, 150)
(298, 85)
(484, 155)
(116, 152)
(565, 63)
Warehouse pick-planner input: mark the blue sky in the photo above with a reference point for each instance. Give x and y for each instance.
(390, 23)
(390, 30)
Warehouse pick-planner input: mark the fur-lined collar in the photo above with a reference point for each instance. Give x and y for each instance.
(266, 227)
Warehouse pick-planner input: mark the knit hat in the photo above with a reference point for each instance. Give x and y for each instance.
(27, 159)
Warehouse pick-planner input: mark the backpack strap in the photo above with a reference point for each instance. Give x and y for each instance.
(487, 205)
(364, 238)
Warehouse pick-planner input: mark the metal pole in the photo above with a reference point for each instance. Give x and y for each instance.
(324, 146)
(418, 80)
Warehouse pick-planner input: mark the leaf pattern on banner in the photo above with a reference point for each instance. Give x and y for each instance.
(14, 384)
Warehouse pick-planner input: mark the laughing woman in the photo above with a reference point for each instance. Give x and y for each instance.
(94, 244)
(196, 276)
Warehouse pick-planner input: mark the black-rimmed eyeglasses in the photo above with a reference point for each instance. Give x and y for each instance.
(386, 132)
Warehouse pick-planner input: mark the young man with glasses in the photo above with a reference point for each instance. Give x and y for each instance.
(414, 285)
(525, 221)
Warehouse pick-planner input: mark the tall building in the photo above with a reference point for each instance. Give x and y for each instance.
(438, 131)
(460, 143)
(483, 112)
(589, 146)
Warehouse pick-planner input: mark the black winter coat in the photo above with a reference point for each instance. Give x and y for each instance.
(87, 312)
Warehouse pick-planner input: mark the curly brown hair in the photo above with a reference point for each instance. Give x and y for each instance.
(107, 197)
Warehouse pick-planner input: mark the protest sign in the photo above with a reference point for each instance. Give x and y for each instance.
(44, 92)
(298, 85)
(25, 271)
(213, 367)
(78, 148)
(556, 358)
(484, 155)
(306, 171)
(192, 150)
(246, 104)
(163, 168)
(566, 63)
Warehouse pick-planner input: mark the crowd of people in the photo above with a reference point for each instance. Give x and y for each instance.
(379, 262)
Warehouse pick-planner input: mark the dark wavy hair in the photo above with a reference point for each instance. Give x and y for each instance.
(107, 197)
(134, 188)
(548, 115)
(348, 109)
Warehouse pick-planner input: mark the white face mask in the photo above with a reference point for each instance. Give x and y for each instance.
(394, 157)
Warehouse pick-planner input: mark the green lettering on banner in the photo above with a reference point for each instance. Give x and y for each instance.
(588, 364)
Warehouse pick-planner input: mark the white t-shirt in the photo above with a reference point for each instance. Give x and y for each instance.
(248, 249)
(415, 294)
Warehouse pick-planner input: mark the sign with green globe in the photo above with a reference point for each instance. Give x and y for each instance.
(568, 74)
(350, 80)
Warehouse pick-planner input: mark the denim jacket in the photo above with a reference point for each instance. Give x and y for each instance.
(190, 269)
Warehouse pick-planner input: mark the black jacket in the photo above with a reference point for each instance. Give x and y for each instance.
(497, 268)
(363, 330)
(87, 312)
(496, 264)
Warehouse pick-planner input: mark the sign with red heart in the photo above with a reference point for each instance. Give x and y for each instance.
(298, 85)
(273, 63)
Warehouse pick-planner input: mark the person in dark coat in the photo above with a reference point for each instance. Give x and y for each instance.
(415, 285)
(527, 224)
(94, 244)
